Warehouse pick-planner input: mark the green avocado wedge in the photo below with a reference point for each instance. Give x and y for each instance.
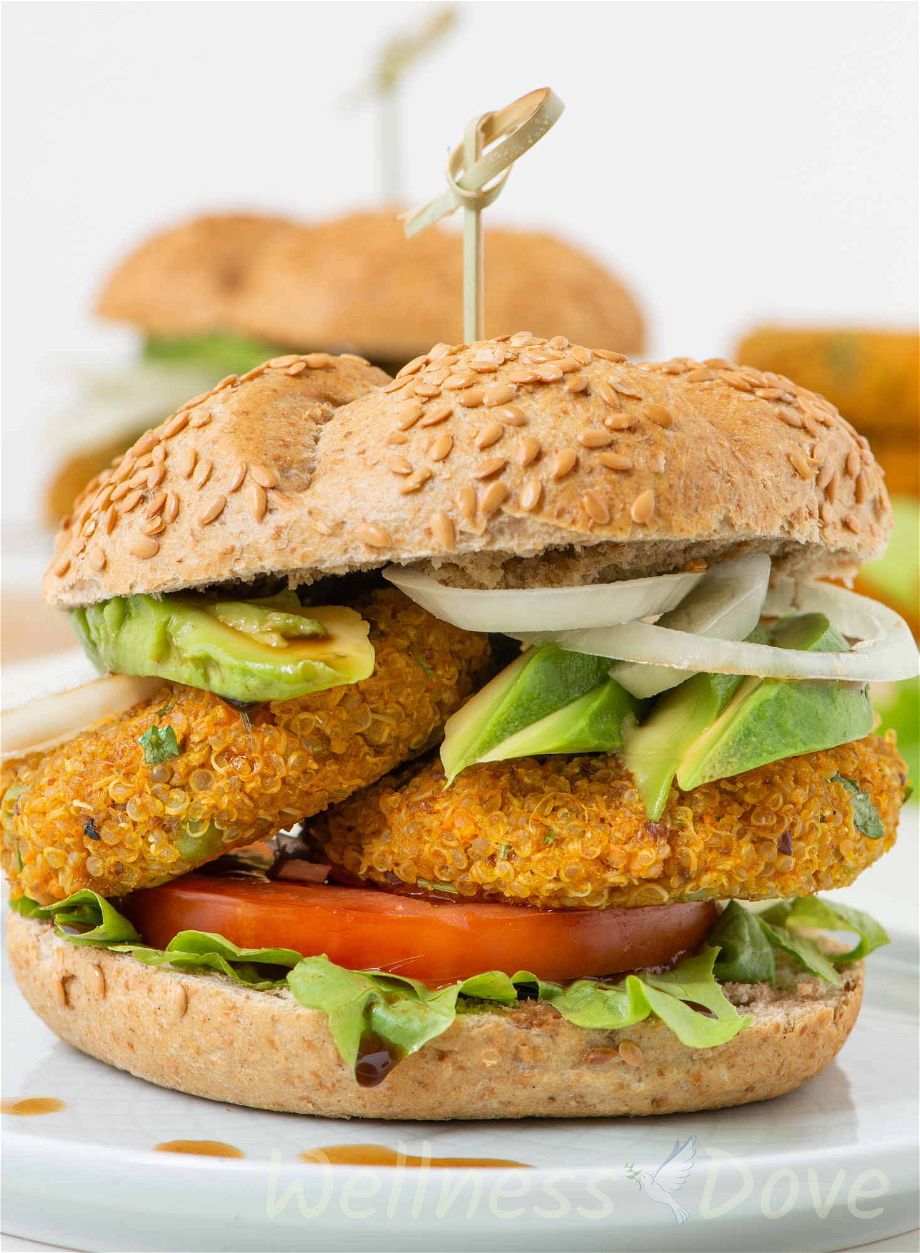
(716, 726)
(653, 748)
(769, 719)
(258, 650)
(540, 682)
(594, 723)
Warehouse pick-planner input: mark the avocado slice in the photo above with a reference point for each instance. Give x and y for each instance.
(769, 719)
(540, 682)
(592, 724)
(258, 650)
(714, 726)
(654, 747)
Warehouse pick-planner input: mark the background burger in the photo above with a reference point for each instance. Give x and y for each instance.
(328, 840)
(221, 293)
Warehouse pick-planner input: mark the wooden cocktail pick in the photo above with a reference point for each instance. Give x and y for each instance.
(477, 170)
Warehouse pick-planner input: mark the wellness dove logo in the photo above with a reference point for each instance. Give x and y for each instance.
(669, 1177)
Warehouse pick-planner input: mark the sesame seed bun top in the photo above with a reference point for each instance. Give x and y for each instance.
(475, 461)
(357, 282)
(215, 492)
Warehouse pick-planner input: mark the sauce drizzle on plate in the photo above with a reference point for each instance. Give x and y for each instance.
(382, 1155)
(27, 1106)
(202, 1148)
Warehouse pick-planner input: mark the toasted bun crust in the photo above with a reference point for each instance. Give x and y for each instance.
(191, 278)
(213, 493)
(476, 460)
(207, 1036)
(357, 281)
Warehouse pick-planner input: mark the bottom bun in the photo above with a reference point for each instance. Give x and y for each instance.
(205, 1035)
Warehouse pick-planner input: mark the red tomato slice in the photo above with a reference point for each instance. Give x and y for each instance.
(435, 941)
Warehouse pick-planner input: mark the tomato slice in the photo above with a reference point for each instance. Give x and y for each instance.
(435, 941)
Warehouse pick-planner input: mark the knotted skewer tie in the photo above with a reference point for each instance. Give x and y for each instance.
(475, 179)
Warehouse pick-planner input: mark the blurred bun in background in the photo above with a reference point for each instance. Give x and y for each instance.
(220, 293)
(356, 282)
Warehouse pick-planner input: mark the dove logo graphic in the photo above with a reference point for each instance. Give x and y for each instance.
(669, 1178)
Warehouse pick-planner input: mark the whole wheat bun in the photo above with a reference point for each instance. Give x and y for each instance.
(357, 282)
(205, 1035)
(508, 462)
(190, 279)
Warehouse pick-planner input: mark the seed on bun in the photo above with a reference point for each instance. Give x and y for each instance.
(215, 488)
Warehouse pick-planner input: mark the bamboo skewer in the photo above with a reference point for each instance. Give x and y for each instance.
(477, 170)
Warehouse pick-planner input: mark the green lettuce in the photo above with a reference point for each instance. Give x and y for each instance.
(401, 1015)
(83, 918)
(89, 919)
(747, 940)
(817, 913)
(220, 353)
(406, 1014)
(803, 951)
(745, 951)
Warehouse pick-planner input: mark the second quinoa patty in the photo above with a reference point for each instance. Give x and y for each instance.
(91, 812)
(572, 833)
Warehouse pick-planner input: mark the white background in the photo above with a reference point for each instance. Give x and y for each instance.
(734, 160)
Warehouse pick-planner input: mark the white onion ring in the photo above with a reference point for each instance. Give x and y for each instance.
(41, 724)
(544, 608)
(726, 605)
(886, 651)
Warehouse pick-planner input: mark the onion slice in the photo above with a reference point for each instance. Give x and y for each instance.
(886, 651)
(725, 605)
(543, 608)
(41, 724)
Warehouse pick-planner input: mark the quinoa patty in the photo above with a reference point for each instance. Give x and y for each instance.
(91, 813)
(571, 832)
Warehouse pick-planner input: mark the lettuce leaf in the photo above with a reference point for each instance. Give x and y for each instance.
(89, 919)
(200, 951)
(405, 1014)
(819, 914)
(83, 918)
(401, 1014)
(687, 999)
(220, 353)
(747, 939)
(803, 951)
(745, 952)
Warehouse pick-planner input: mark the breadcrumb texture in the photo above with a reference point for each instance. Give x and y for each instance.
(205, 1035)
(572, 833)
(91, 813)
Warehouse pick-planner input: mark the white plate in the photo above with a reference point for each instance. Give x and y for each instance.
(829, 1167)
